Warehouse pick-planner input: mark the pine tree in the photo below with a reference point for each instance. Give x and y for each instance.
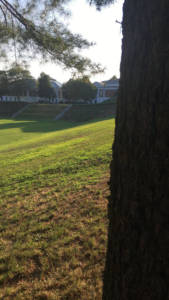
(33, 29)
(137, 265)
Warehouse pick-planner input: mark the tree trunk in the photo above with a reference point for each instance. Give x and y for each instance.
(137, 264)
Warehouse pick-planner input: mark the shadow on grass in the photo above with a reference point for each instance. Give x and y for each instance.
(46, 125)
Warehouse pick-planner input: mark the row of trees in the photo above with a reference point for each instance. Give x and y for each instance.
(18, 81)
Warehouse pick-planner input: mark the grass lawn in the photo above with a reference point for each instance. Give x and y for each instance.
(53, 218)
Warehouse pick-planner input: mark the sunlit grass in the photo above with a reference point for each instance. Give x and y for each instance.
(53, 189)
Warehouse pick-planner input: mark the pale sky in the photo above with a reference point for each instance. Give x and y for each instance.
(95, 26)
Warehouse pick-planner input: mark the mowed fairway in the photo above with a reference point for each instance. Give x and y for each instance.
(53, 208)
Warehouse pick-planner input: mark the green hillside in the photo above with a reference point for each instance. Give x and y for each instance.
(7, 109)
(77, 113)
(53, 218)
(42, 111)
(88, 112)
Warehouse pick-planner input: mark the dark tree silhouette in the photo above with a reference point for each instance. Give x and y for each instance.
(137, 265)
(79, 89)
(45, 88)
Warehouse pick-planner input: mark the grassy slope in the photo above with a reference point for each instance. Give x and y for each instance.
(87, 112)
(53, 208)
(7, 109)
(41, 111)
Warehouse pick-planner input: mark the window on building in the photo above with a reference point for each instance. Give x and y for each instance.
(110, 93)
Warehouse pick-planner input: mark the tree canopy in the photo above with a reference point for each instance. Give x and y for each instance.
(17, 81)
(33, 29)
(79, 89)
(114, 77)
(45, 88)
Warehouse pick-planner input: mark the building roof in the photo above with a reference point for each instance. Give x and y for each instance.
(56, 83)
(98, 84)
(111, 81)
(111, 84)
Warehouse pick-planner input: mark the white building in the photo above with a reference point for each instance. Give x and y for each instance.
(28, 99)
(58, 90)
(106, 90)
(36, 99)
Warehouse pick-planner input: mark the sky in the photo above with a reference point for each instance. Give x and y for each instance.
(96, 26)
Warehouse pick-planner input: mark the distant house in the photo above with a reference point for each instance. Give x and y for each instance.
(106, 89)
(57, 86)
(58, 90)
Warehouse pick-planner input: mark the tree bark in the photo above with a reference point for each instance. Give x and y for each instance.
(137, 263)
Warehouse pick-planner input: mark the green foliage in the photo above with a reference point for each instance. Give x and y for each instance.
(45, 88)
(100, 3)
(17, 82)
(33, 29)
(21, 81)
(79, 89)
(23, 87)
(114, 77)
(4, 84)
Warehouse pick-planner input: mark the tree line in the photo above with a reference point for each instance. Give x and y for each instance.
(18, 81)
